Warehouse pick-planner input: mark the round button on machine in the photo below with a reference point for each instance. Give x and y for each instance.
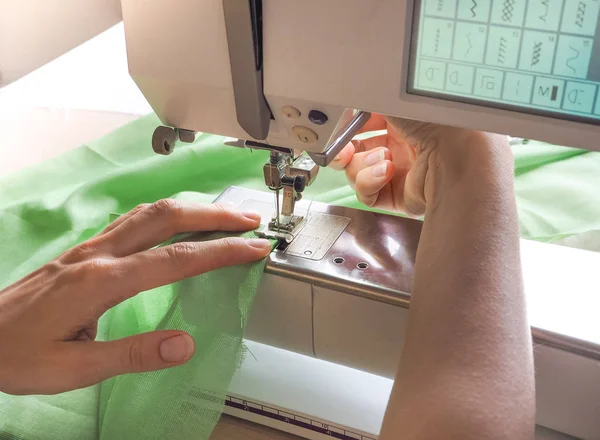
(305, 134)
(317, 117)
(290, 112)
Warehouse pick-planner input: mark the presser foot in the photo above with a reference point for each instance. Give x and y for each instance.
(283, 232)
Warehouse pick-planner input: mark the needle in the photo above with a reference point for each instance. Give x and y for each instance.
(277, 207)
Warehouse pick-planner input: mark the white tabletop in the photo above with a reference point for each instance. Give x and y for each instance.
(80, 96)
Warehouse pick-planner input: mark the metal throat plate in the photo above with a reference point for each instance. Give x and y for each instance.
(358, 252)
(314, 236)
(373, 256)
(318, 235)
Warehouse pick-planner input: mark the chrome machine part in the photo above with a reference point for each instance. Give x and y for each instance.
(372, 257)
(292, 175)
(340, 141)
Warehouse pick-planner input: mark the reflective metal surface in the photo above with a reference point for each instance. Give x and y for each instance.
(311, 239)
(303, 165)
(373, 257)
(317, 237)
(566, 343)
(325, 158)
(282, 171)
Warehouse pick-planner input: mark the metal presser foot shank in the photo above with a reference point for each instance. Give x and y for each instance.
(283, 172)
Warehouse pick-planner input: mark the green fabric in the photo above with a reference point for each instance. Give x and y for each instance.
(180, 403)
(184, 402)
(50, 207)
(69, 416)
(557, 191)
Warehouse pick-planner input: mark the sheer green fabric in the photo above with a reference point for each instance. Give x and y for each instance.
(50, 207)
(184, 402)
(180, 403)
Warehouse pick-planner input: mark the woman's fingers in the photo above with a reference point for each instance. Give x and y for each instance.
(73, 365)
(376, 123)
(343, 158)
(164, 219)
(134, 354)
(168, 264)
(356, 146)
(119, 220)
(372, 179)
(366, 159)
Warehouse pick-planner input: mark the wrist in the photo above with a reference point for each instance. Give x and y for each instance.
(472, 163)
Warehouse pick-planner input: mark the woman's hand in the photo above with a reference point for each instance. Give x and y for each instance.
(399, 170)
(48, 319)
(467, 363)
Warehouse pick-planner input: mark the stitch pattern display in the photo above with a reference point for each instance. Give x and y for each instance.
(437, 41)
(473, 8)
(545, 14)
(508, 8)
(470, 45)
(537, 53)
(440, 5)
(573, 58)
(581, 7)
(502, 50)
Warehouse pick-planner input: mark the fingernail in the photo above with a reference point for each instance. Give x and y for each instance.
(380, 170)
(336, 158)
(259, 243)
(177, 348)
(252, 215)
(375, 157)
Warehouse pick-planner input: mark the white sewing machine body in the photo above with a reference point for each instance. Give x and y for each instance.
(327, 56)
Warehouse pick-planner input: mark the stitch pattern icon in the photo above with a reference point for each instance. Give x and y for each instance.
(547, 10)
(502, 50)
(470, 45)
(508, 8)
(537, 53)
(473, 8)
(580, 17)
(575, 56)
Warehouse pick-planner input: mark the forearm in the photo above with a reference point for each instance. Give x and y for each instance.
(466, 369)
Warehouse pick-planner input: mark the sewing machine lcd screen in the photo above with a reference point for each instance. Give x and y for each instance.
(532, 56)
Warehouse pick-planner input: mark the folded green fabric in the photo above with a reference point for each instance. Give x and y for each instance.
(52, 206)
(69, 416)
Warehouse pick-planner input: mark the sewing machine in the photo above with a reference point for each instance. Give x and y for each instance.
(300, 78)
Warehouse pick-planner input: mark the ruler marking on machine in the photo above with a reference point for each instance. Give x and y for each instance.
(294, 419)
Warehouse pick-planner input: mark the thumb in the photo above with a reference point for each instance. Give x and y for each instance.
(414, 189)
(139, 353)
